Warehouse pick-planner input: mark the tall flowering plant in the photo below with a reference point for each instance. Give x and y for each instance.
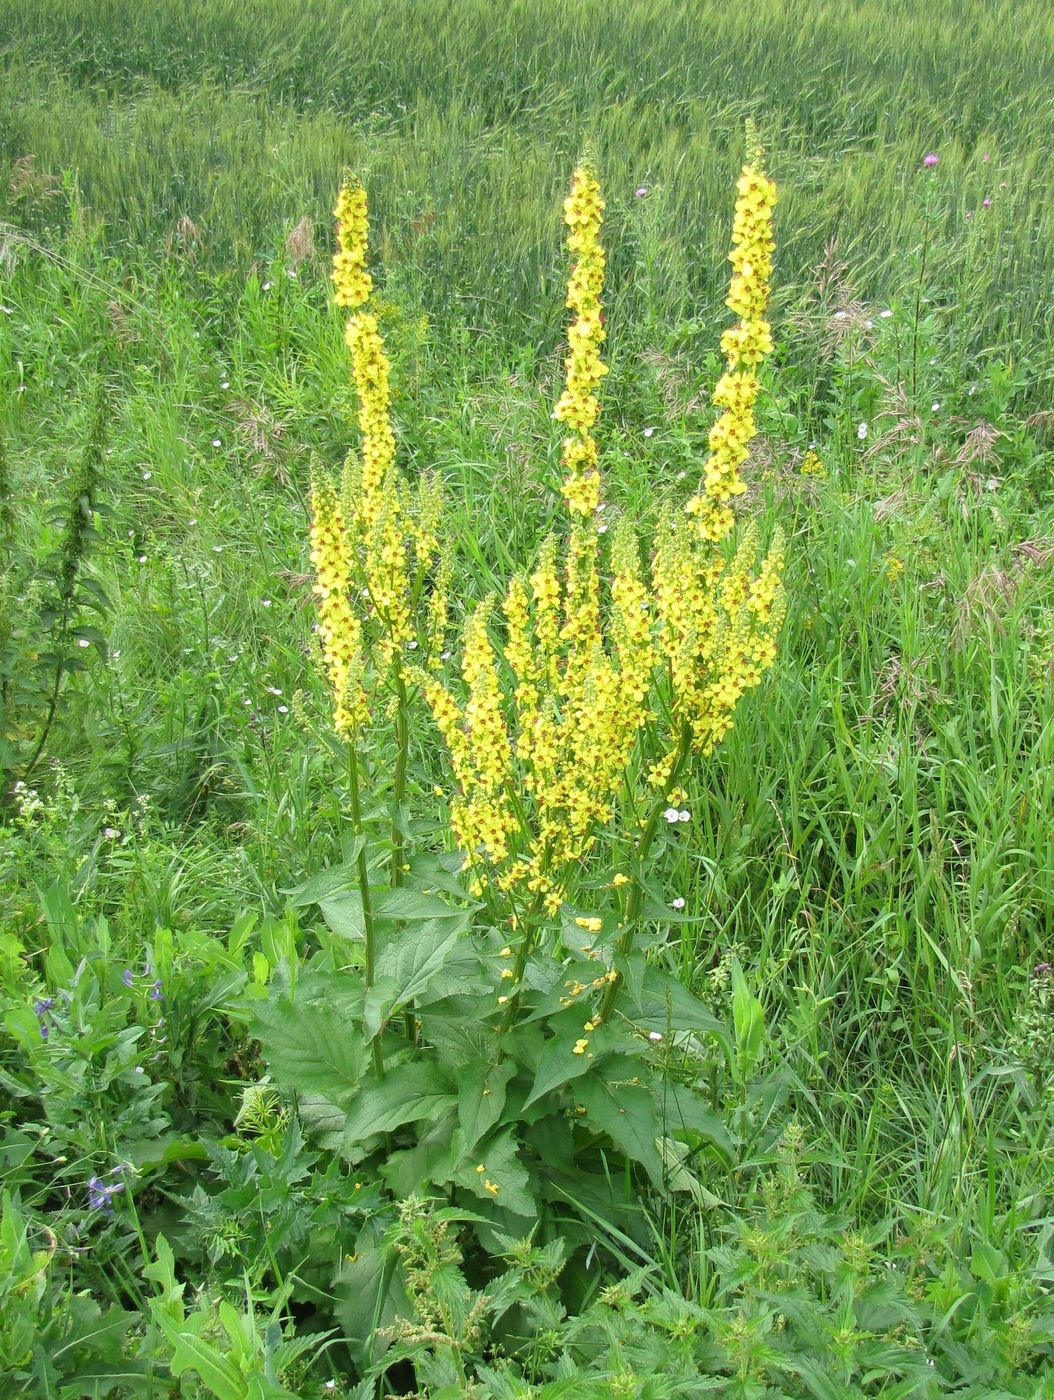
(507, 1034)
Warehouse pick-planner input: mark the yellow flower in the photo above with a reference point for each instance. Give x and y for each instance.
(591, 925)
(338, 625)
(578, 405)
(352, 284)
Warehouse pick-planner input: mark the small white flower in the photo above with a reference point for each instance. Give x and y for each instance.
(273, 690)
(678, 903)
(681, 476)
(601, 529)
(684, 816)
(246, 701)
(265, 602)
(648, 432)
(7, 310)
(861, 432)
(194, 521)
(935, 407)
(283, 709)
(217, 549)
(83, 642)
(215, 442)
(654, 1036)
(111, 833)
(671, 814)
(841, 315)
(225, 383)
(887, 313)
(444, 656)
(267, 286)
(972, 389)
(411, 646)
(147, 476)
(141, 558)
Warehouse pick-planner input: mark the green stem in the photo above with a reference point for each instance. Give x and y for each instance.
(402, 757)
(364, 887)
(636, 895)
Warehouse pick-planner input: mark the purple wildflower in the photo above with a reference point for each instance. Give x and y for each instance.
(930, 159)
(45, 1030)
(101, 1194)
(156, 994)
(641, 191)
(986, 204)
(43, 1004)
(127, 977)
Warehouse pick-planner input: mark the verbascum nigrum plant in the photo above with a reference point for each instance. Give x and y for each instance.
(505, 1042)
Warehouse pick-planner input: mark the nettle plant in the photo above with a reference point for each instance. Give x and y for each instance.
(507, 1040)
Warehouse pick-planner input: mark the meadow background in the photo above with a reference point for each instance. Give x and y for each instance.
(874, 842)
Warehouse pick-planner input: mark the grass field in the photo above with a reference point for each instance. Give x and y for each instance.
(868, 873)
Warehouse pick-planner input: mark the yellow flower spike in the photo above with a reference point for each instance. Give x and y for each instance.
(369, 366)
(352, 284)
(339, 628)
(744, 346)
(578, 405)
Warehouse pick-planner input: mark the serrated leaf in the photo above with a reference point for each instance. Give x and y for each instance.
(412, 958)
(408, 905)
(626, 1113)
(405, 1094)
(311, 1049)
(559, 1064)
(335, 880)
(503, 1169)
(481, 1098)
(343, 915)
(655, 1001)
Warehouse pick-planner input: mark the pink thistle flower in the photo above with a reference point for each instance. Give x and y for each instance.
(930, 159)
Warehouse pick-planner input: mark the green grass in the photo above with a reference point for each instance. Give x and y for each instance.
(875, 839)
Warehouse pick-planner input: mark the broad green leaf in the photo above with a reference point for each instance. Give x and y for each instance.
(405, 1094)
(501, 1168)
(481, 1098)
(749, 1018)
(559, 1064)
(410, 905)
(335, 880)
(626, 1113)
(311, 1049)
(343, 915)
(412, 958)
(684, 1111)
(655, 1001)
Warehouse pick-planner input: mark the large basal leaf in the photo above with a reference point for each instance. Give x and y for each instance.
(311, 1049)
(559, 1064)
(405, 1094)
(685, 1113)
(626, 1113)
(655, 1001)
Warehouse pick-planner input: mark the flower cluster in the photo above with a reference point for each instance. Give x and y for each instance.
(375, 545)
(744, 346)
(578, 405)
(540, 765)
(339, 627)
(351, 282)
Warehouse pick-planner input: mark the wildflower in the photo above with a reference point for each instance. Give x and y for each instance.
(580, 1046)
(578, 405)
(43, 1005)
(986, 203)
(156, 992)
(654, 1036)
(352, 283)
(339, 627)
(812, 465)
(101, 1193)
(648, 432)
(491, 1187)
(215, 442)
(640, 191)
(591, 925)
(886, 313)
(619, 879)
(128, 977)
(861, 431)
(678, 903)
(930, 159)
(671, 815)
